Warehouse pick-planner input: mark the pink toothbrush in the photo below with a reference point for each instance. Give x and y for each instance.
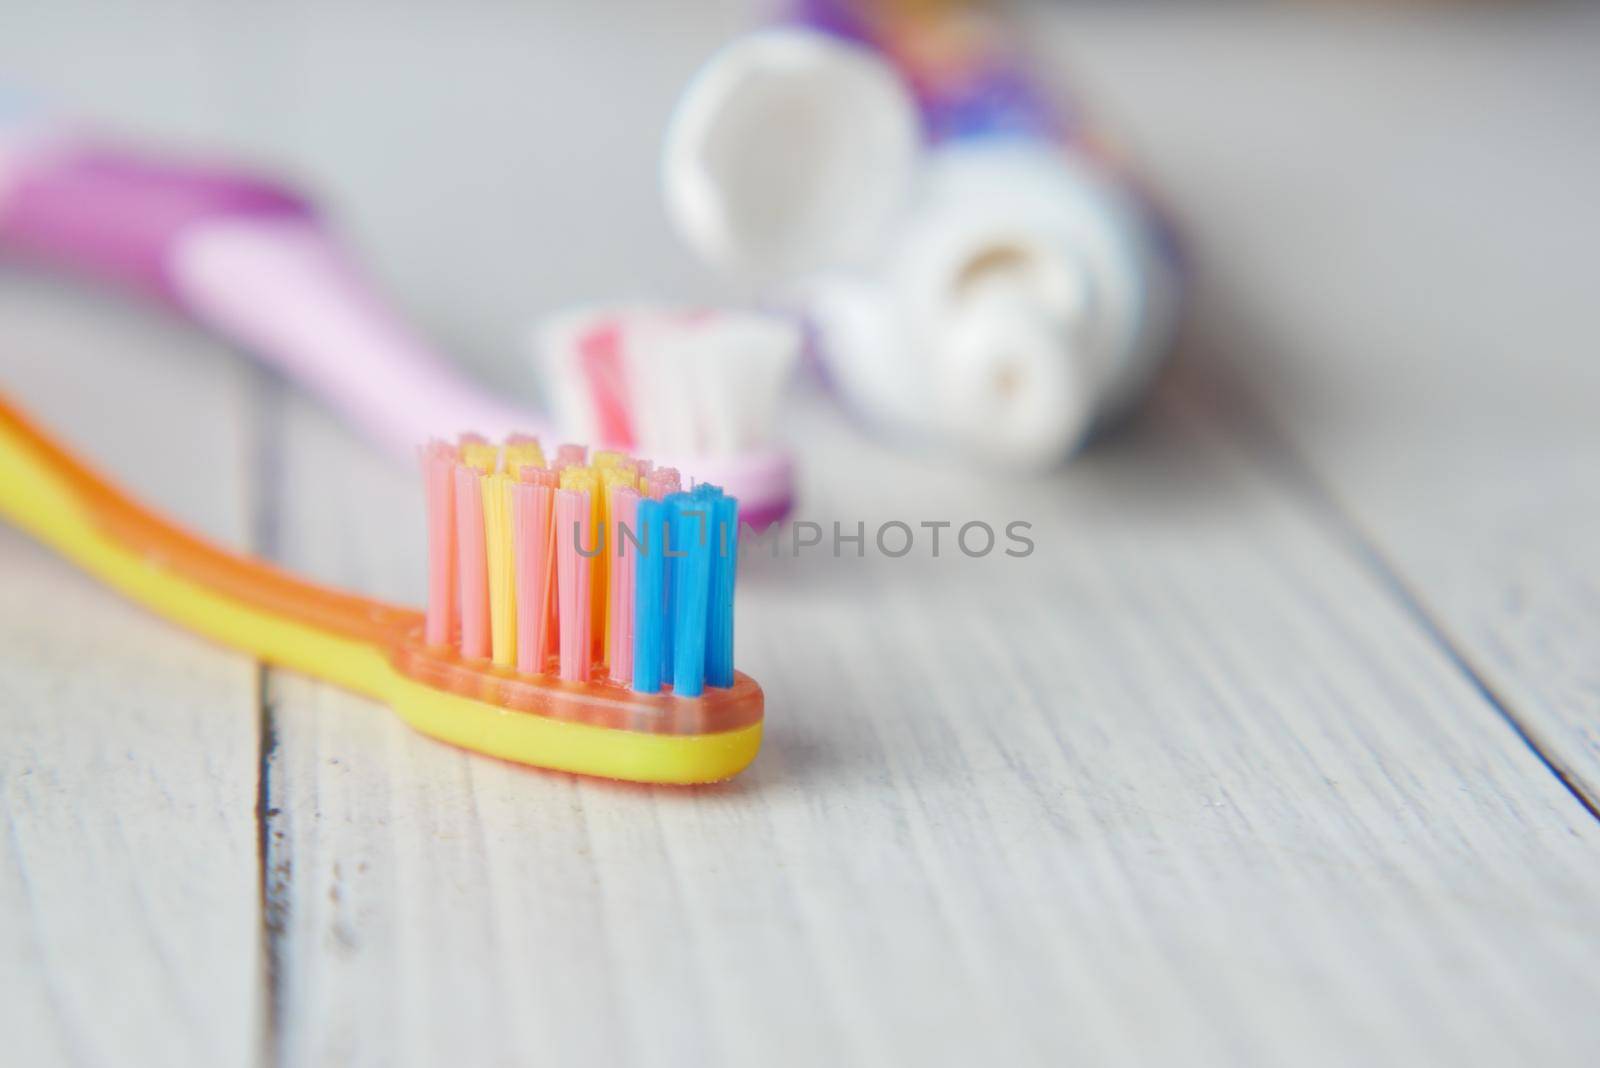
(251, 260)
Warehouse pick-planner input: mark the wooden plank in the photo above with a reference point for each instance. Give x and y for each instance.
(1200, 788)
(1403, 291)
(1185, 783)
(129, 919)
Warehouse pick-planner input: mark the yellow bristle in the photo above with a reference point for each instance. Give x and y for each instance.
(583, 479)
(616, 476)
(502, 569)
(608, 458)
(621, 474)
(480, 456)
(523, 452)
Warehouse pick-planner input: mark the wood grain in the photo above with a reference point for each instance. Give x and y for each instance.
(129, 914)
(1186, 782)
(1396, 276)
(1227, 772)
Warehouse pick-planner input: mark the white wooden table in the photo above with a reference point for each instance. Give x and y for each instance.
(1283, 747)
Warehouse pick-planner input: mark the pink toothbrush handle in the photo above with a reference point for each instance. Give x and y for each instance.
(249, 259)
(116, 216)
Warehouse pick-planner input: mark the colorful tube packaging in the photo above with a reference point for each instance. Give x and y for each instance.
(975, 266)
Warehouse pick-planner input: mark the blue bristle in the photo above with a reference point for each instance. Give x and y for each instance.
(691, 587)
(648, 586)
(671, 546)
(724, 568)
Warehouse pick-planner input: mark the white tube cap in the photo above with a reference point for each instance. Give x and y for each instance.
(790, 151)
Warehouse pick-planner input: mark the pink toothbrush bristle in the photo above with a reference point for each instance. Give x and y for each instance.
(600, 352)
(574, 523)
(664, 480)
(438, 467)
(472, 564)
(539, 476)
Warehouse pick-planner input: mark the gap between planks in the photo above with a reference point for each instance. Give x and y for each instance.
(1234, 403)
(275, 868)
(1223, 403)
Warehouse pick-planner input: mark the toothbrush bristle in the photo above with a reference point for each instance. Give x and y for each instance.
(594, 568)
(600, 352)
(690, 589)
(573, 577)
(663, 482)
(624, 504)
(523, 451)
(673, 380)
(472, 566)
(479, 454)
(499, 543)
(533, 504)
(719, 619)
(439, 480)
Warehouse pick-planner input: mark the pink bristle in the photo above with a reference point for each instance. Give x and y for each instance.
(532, 500)
(664, 480)
(573, 512)
(438, 479)
(472, 570)
(470, 438)
(601, 357)
(570, 456)
(624, 516)
(539, 476)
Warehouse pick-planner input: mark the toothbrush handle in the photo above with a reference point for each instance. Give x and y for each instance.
(286, 292)
(249, 259)
(54, 496)
(114, 215)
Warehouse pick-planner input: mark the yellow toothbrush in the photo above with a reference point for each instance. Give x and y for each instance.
(565, 704)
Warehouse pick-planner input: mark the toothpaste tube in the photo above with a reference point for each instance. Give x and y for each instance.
(975, 266)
